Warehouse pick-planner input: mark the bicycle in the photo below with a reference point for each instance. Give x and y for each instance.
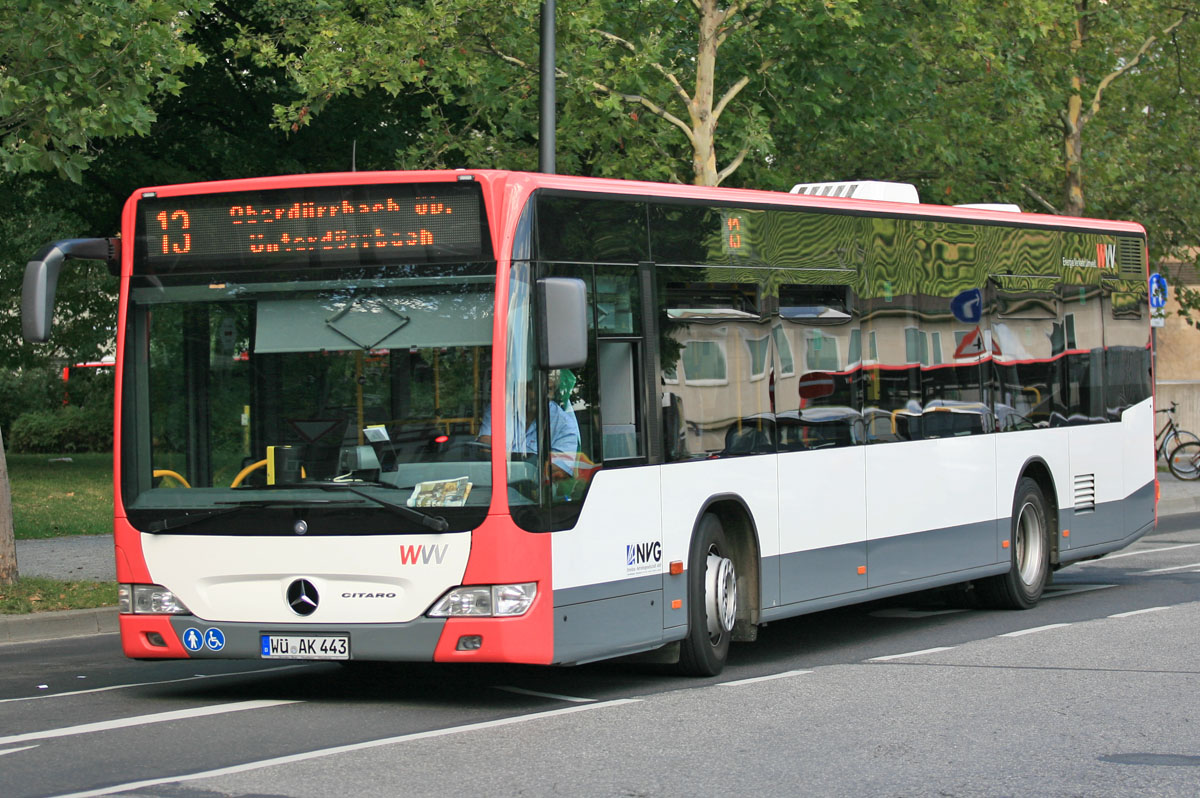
(1171, 437)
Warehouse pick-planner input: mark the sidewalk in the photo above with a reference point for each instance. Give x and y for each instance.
(90, 557)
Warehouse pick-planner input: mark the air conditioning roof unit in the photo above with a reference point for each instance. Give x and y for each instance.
(860, 189)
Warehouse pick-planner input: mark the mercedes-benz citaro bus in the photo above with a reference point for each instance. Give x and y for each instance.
(487, 416)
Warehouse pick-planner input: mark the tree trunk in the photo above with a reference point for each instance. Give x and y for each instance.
(704, 123)
(8, 544)
(1073, 153)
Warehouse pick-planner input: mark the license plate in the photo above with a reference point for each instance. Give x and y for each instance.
(305, 647)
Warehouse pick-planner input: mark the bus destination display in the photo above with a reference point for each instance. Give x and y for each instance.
(339, 225)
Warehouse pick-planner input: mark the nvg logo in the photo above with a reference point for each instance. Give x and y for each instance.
(410, 554)
(643, 553)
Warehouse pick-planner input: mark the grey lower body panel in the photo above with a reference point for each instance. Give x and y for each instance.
(414, 641)
(609, 619)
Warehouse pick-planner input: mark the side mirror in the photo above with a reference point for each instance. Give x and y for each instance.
(41, 280)
(562, 322)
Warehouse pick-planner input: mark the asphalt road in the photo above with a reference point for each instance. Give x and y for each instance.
(1095, 693)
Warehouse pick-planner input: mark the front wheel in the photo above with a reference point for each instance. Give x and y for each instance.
(712, 601)
(1029, 548)
(1184, 461)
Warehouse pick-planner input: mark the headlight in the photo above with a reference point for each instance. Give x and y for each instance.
(148, 600)
(485, 601)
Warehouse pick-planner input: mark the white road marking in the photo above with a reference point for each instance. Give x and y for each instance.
(755, 679)
(1168, 570)
(345, 749)
(522, 691)
(1137, 612)
(15, 750)
(141, 720)
(1034, 630)
(910, 654)
(151, 684)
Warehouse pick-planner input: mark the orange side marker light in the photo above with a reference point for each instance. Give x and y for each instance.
(1004, 544)
(677, 604)
(676, 567)
(1066, 533)
(862, 569)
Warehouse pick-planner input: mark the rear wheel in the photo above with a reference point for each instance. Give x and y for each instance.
(712, 601)
(1029, 547)
(1184, 461)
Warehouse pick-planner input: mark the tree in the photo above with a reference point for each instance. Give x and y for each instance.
(690, 65)
(8, 545)
(71, 74)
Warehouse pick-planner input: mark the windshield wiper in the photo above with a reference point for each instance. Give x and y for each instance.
(434, 522)
(188, 519)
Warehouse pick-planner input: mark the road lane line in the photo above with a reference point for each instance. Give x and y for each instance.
(910, 654)
(15, 750)
(152, 684)
(1034, 630)
(1138, 612)
(141, 720)
(768, 678)
(556, 696)
(1168, 570)
(346, 749)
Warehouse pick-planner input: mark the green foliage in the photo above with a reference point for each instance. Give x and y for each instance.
(67, 429)
(75, 72)
(29, 389)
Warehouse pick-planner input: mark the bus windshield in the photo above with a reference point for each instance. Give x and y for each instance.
(308, 403)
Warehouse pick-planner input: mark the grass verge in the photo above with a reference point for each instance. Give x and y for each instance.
(57, 495)
(35, 594)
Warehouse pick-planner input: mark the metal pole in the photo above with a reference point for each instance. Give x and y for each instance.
(546, 133)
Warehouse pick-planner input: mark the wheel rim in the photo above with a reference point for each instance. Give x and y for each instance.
(1030, 543)
(720, 595)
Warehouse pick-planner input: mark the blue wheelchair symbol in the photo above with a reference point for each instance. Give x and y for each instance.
(967, 307)
(214, 639)
(192, 639)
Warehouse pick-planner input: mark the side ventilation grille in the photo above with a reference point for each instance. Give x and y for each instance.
(1131, 257)
(1085, 493)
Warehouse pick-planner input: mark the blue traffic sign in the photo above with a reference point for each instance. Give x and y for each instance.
(1158, 291)
(967, 307)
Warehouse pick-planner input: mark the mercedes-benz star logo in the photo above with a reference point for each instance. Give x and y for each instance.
(302, 597)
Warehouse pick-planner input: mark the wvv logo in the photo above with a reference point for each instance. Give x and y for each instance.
(410, 554)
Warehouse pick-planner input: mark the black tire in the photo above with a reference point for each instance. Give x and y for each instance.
(1184, 461)
(1029, 550)
(712, 601)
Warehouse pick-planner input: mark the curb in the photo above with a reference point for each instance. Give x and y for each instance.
(41, 626)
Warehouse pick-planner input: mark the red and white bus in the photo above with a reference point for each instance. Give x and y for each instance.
(719, 408)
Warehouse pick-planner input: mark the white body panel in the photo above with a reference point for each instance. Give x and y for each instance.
(623, 509)
(246, 578)
(822, 503)
(918, 486)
